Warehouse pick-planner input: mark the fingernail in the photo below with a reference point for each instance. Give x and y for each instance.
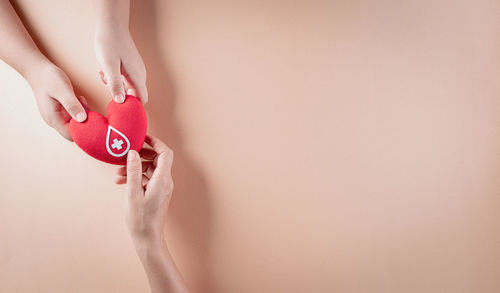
(131, 155)
(119, 98)
(80, 117)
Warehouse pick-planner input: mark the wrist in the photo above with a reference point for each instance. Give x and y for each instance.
(111, 26)
(145, 231)
(106, 36)
(145, 247)
(105, 31)
(37, 65)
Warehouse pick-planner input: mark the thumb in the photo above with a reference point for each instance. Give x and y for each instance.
(73, 106)
(134, 174)
(114, 81)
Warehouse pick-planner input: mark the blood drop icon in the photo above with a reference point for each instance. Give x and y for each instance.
(117, 143)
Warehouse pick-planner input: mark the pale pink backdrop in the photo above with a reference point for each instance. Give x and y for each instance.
(321, 146)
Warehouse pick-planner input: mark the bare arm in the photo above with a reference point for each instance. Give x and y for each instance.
(18, 49)
(149, 190)
(52, 88)
(160, 268)
(116, 51)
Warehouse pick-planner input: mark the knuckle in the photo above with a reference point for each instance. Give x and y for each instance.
(164, 158)
(73, 108)
(115, 80)
(133, 169)
(115, 85)
(168, 187)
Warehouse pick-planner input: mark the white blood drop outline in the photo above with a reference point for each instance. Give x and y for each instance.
(122, 135)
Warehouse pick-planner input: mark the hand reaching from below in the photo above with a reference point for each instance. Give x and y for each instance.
(149, 190)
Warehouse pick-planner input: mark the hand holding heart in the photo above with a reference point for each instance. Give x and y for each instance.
(110, 138)
(54, 96)
(122, 65)
(149, 189)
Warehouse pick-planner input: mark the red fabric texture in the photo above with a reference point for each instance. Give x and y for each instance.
(109, 139)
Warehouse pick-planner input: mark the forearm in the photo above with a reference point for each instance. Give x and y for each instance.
(122, 67)
(17, 49)
(159, 266)
(112, 15)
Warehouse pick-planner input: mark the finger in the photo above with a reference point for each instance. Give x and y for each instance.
(144, 181)
(164, 166)
(64, 116)
(121, 180)
(63, 128)
(132, 92)
(143, 93)
(155, 161)
(161, 176)
(150, 171)
(73, 106)
(84, 103)
(137, 83)
(103, 78)
(157, 145)
(134, 174)
(55, 116)
(147, 154)
(122, 170)
(114, 80)
(165, 160)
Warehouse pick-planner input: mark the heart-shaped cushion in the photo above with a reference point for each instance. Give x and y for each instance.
(109, 139)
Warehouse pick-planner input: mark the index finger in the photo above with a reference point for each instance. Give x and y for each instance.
(136, 84)
(158, 146)
(162, 162)
(62, 127)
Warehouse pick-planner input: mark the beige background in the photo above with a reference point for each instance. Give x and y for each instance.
(321, 146)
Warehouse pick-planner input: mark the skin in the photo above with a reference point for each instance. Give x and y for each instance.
(149, 183)
(149, 190)
(122, 66)
(52, 88)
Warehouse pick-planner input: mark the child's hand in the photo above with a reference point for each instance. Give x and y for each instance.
(55, 97)
(118, 56)
(149, 189)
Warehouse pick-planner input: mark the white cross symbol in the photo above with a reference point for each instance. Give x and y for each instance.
(117, 144)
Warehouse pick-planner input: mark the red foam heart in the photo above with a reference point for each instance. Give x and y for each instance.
(109, 139)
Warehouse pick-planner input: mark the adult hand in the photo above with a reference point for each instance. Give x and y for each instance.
(149, 189)
(122, 67)
(55, 97)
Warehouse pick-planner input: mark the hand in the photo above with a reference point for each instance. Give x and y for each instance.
(55, 97)
(122, 67)
(149, 189)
